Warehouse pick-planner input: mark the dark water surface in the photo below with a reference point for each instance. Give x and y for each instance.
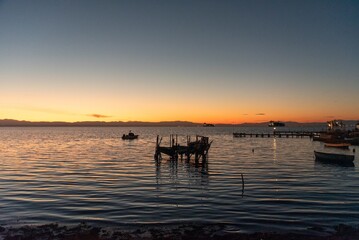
(69, 175)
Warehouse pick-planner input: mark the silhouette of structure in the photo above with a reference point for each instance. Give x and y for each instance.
(199, 148)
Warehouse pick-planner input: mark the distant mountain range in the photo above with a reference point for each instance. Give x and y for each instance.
(17, 123)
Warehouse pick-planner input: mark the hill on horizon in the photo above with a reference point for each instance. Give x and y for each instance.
(23, 123)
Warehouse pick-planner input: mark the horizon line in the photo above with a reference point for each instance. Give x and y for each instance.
(15, 121)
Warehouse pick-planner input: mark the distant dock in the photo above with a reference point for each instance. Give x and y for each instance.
(279, 134)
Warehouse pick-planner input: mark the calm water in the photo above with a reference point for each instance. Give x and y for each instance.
(69, 175)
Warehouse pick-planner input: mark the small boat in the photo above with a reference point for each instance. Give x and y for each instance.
(335, 126)
(337, 145)
(334, 157)
(276, 124)
(129, 136)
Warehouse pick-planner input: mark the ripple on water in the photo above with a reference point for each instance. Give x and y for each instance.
(73, 174)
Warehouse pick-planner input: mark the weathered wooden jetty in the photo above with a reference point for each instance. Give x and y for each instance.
(199, 148)
(279, 134)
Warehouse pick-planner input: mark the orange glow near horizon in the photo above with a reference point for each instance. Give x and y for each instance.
(73, 107)
(163, 113)
(91, 103)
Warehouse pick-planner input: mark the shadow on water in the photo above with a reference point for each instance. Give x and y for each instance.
(319, 162)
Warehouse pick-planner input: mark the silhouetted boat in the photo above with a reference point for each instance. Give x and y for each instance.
(337, 145)
(334, 157)
(208, 125)
(336, 126)
(129, 136)
(276, 124)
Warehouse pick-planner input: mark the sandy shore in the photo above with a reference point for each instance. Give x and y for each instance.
(182, 231)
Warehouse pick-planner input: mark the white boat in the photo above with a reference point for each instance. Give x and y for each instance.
(334, 157)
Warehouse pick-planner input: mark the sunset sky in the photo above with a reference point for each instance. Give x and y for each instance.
(200, 61)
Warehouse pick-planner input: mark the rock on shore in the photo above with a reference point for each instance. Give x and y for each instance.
(85, 231)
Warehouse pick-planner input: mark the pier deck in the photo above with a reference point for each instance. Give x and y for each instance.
(278, 134)
(199, 148)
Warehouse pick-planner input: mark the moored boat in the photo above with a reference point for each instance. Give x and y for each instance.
(334, 157)
(336, 126)
(337, 145)
(129, 136)
(276, 124)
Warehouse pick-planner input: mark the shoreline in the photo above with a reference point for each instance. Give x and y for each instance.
(85, 231)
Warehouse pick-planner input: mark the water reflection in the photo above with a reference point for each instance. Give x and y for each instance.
(274, 147)
(176, 172)
(72, 174)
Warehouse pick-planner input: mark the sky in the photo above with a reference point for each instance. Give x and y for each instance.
(200, 61)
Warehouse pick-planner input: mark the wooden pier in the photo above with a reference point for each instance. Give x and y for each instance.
(279, 134)
(199, 148)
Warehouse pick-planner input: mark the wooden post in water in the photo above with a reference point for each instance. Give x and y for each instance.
(242, 185)
(157, 152)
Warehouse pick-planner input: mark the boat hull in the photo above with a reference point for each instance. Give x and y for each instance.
(333, 157)
(127, 137)
(338, 145)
